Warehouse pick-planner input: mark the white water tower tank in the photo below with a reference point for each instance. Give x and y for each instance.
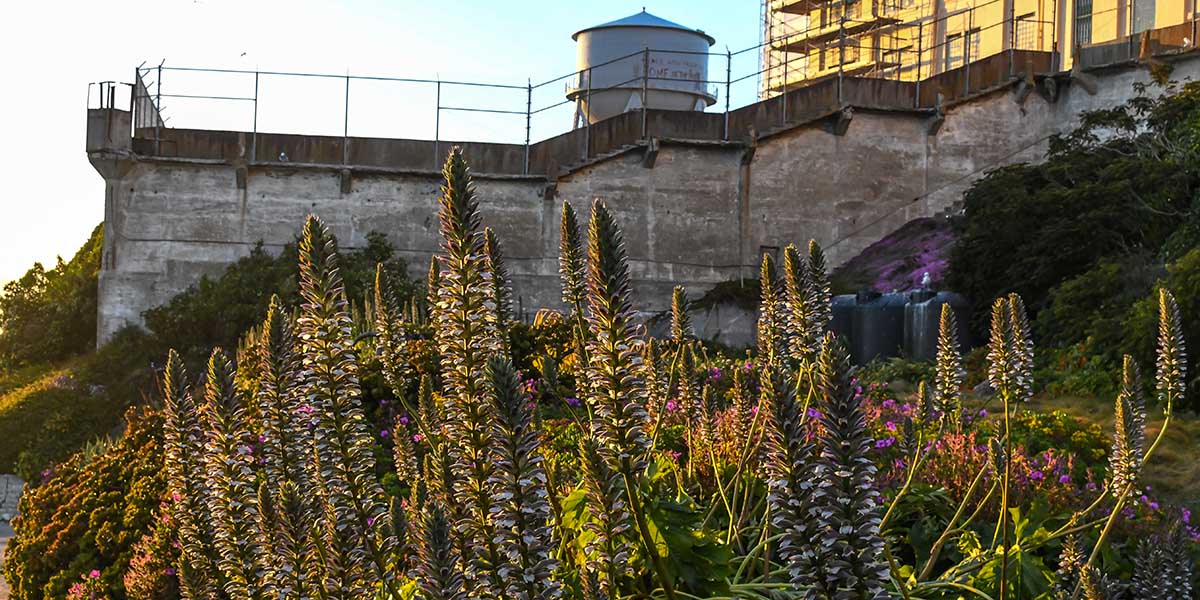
(611, 60)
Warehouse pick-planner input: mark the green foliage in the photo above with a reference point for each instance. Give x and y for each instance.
(91, 515)
(1090, 307)
(215, 312)
(1116, 184)
(47, 414)
(898, 369)
(50, 315)
(1183, 276)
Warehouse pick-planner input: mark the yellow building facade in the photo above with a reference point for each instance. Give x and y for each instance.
(809, 40)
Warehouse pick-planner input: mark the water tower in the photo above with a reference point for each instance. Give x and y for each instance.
(612, 61)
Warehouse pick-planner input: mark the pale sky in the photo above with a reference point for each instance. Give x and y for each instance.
(51, 50)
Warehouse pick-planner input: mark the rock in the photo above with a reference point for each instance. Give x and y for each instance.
(984, 390)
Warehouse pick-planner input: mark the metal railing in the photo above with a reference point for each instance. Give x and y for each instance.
(517, 113)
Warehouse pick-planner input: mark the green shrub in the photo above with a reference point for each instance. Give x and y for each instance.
(88, 516)
(216, 311)
(898, 369)
(1091, 306)
(1116, 184)
(1183, 277)
(47, 316)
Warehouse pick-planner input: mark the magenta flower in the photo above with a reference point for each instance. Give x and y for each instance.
(671, 406)
(95, 574)
(890, 426)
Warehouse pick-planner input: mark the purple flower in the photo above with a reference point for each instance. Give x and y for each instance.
(890, 426)
(573, 402)
(1064, 479)
(814, 413)
(1037, 476)
(1186, 516)
(262, 439)
(383, 434)
(982, 413)
(715, 373)
(170, 571)
(887, 404)
(885, 442)
(370, 521)
(404, 419)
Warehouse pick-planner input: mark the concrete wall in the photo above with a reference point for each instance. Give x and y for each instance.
(693, 212)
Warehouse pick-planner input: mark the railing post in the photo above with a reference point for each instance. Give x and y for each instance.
(967, 53)
(920, 59)
(254, 133)
(528, 119)
(728, 84)
(158, 111)
(784, 87)
(587, 118)
(437, 126)
(346, 124)
(841, 58)
(1012, 41)
(645, 84)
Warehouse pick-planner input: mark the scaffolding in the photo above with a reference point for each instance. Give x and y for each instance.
(806, 41)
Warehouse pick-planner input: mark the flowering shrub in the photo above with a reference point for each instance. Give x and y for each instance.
(79, 529)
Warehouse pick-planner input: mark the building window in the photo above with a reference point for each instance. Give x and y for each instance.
(1143, 15)
(972, 44)
(851, 53)
(1026, 32)
(953, 52)
(1083, 22)
(853, 9)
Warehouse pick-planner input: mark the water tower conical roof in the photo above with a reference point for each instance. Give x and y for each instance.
(645, 19)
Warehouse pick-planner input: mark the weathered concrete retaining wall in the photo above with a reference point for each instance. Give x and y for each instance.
(693, 212)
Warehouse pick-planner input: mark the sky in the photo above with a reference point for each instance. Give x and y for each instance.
(52, 50)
